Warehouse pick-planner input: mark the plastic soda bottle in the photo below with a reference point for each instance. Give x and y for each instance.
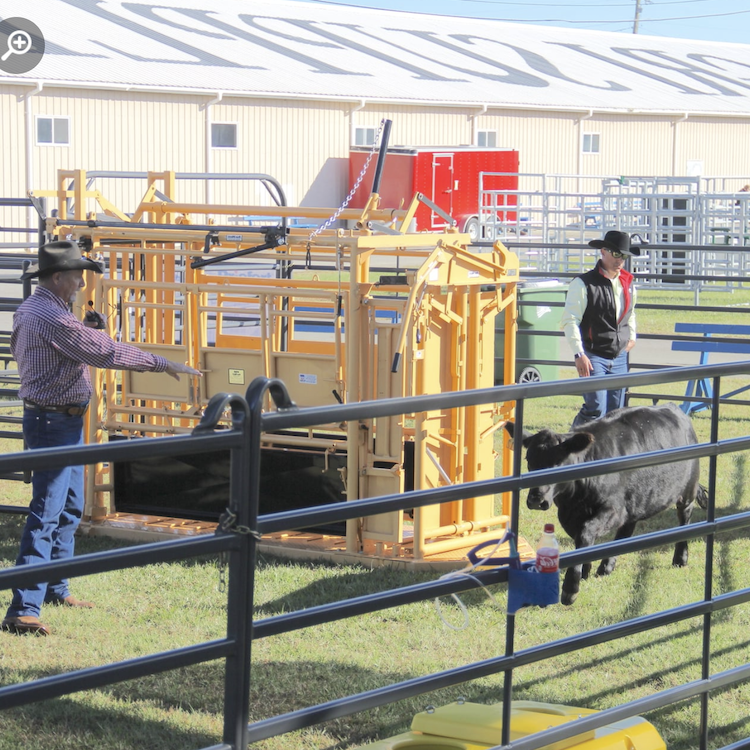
(548, 551)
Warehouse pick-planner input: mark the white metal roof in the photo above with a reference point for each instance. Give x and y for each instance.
(288, 49)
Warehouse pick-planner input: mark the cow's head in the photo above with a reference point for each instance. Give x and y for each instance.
(545, 450)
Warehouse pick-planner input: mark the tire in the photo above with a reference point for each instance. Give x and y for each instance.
(489, 233)
(472, 229)
(529, 375)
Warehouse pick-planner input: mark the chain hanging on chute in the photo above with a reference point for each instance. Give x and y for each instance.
(331, 219)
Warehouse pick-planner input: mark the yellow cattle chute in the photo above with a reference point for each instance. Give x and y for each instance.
(347, 315)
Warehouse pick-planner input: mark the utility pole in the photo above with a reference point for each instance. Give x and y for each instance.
(637, 16)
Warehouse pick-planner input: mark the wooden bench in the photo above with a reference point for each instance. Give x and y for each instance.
(702, 388)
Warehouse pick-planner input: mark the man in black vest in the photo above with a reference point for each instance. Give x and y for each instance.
(599, 322)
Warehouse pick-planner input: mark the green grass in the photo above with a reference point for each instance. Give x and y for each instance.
(662, 321)
(166, 606)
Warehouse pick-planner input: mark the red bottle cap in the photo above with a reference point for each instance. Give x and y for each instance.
(549, 528)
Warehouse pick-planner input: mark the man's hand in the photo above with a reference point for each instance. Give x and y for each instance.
(583, 365)
(629, 345)
(93, 319)
(174, 368)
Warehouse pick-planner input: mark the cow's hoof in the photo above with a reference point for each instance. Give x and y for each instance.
(567, 599)
(605, 570)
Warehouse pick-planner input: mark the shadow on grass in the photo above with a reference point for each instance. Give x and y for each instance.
(276, 688)
(348, 585)
(76, 723)
(683, 734)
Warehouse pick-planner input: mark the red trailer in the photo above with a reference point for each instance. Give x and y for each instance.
(447, 176)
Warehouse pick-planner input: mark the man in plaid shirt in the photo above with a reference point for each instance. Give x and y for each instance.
(53, 350)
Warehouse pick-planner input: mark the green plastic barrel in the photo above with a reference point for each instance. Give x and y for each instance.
(534, 314)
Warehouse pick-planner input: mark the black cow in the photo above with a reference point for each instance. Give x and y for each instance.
(591, 507)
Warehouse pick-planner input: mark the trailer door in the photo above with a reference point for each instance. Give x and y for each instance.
(442, 188)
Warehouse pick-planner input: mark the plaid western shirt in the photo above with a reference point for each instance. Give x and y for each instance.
(53, 348)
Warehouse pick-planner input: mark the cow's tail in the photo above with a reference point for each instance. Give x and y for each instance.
(702, 496)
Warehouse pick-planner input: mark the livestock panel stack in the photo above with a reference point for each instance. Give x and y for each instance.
(340, 315)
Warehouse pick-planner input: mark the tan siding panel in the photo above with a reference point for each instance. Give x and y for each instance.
(13, 182)
(305, 144)
(722, 146)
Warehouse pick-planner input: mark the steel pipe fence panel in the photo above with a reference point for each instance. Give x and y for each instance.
(89, 679)
(550, 219)
(326, 613)
(240, 539)
(352, 704)
(120, 559)
(416, 498)
(449, 678)
(234, 648)
(289, 417)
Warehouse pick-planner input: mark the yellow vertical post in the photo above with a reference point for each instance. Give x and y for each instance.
(353, 325)
(509, 374)
(168, 296)
(462, 347)
(470, 445)
(383, 365)
(79, 194)
(420, 464)
(94, 502)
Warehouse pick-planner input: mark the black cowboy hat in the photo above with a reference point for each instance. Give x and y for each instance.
(60, 256)
(617, 241)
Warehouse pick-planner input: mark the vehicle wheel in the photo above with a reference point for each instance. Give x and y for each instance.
(472, 229)
(529, 375)
(489, 233)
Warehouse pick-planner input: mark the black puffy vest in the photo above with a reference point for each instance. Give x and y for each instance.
(601, 332)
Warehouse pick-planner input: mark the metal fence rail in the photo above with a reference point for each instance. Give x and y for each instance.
(549, 220)
(234, 648)
(242, 527)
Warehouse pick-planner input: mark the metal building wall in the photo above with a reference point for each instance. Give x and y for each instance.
(120, 131)
(720, 143)
(420, 126)
(12, 161)
(304, 144)
(629, 146)
(541, 138)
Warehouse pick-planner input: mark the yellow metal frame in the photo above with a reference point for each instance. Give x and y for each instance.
(326, 338)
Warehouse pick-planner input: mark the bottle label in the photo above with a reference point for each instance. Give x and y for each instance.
(547, 560)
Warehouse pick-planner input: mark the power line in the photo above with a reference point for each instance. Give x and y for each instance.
(556, 20)
(625, 20)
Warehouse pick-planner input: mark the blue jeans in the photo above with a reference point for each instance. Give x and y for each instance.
(55, 510)
(599, 403)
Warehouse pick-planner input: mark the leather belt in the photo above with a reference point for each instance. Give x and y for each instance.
(72, 410)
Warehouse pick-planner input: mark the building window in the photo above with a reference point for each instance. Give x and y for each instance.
(223, 135)
(591, 143)
(364, 136)
(487, 138)
(52, 131)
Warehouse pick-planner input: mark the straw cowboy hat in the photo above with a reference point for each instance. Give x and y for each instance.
(60, 256)
(617, 241)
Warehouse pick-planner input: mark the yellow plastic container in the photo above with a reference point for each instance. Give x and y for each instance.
(419, 741)
(475, 726)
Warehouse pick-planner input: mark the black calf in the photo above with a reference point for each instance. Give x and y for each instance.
(590, 508)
